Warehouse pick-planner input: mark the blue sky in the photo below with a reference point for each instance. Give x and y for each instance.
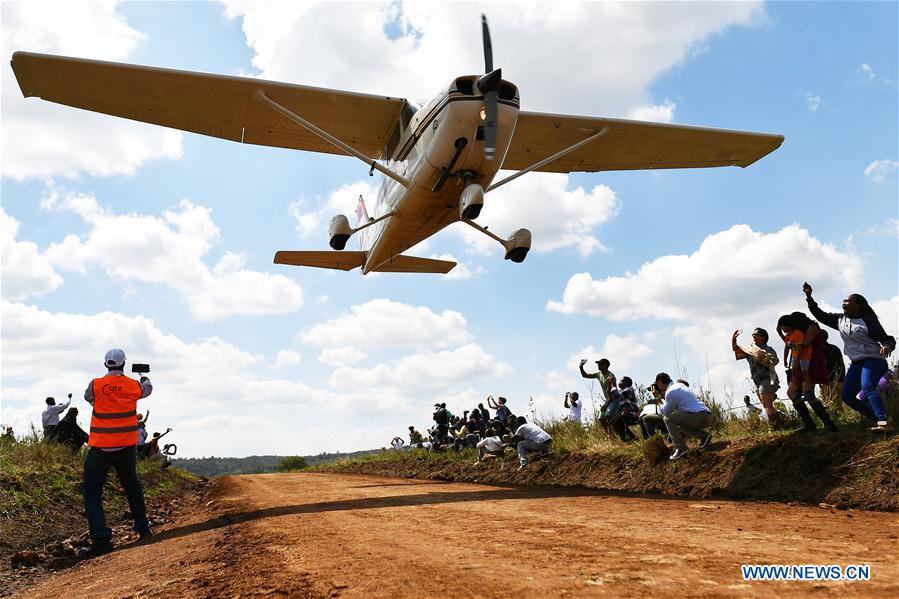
(120, 234)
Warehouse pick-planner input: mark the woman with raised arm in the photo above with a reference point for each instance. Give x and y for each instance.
(867, 346)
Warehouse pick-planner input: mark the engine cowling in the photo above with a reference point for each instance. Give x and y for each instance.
(340, 232)
(471, 201)
(517, 245)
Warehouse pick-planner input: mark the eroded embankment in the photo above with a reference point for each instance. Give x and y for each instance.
(847, 470)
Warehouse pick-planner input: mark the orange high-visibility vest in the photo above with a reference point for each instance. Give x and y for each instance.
(114, 418)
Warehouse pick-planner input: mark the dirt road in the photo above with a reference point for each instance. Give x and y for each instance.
(320, 535)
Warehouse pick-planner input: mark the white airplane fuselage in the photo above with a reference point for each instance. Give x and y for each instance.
(424, 150)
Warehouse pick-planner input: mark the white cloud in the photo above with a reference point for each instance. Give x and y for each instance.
(879, 170)
(888, 313)
(41, 139)
(461, 271)
(169, 250)
(287, 357)
(381, 323)
(865, 72)
(432, 372)
(557, 218)
(342, 201)
(341, 356)
(222, 400)
(814, 101)
(732, 273)
(617, 50)
(659, 113)
(26, 272)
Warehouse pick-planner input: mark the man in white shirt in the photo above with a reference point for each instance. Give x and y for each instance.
(529, 437)
(573, 403)
(50, 417)
(684, 413)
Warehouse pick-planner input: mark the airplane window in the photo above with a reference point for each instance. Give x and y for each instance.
(408, 112)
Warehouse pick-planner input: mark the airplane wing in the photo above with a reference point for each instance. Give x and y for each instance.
(346, 260)
(215, 105)
(630, 145)
(403, 263)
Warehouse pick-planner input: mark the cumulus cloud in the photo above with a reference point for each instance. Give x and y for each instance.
(341, 201)
(888, 313)
(558, 218)
(218, 396)
(659, 113)
(41, 139)
(879, 170)
(432, 372)
(341, 356)
(461, 271)
(170, 250)
(732, 273)
(617, 50)
(26, 271)
(382, 323)
(287, 357)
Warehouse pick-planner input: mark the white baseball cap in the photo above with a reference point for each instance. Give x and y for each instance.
(115, 358)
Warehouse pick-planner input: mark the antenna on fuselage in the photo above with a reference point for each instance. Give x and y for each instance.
(488, 84)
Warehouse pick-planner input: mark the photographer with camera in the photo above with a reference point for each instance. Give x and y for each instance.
(50, 417)
(113, 444)
(573, 403)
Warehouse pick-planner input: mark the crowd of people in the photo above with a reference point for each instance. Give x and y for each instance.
(676, 412)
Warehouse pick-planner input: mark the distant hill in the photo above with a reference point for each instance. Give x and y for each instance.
(255, 464)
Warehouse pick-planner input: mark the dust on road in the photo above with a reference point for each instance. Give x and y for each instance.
(325, 535)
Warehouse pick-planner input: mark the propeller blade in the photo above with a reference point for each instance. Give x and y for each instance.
(488, 48)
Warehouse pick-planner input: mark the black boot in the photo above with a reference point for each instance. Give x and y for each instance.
(821, 412)
(808, 425)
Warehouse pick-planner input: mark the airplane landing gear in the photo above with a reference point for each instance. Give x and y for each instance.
(516, 246)
(340, 232)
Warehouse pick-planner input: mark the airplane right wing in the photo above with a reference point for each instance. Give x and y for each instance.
(630, 145)
(403, 263)
(215, 105)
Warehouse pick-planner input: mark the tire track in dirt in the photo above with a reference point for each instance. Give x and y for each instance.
(325, 535)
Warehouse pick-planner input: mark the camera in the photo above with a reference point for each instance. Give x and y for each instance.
(140, 368)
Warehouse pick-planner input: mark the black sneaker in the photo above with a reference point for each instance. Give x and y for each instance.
(705, 441)
(146, 534)
(96, 549)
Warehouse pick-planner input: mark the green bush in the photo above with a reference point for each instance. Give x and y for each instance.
(292, 463)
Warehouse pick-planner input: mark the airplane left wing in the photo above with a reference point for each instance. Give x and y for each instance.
(215, 105)
(630, 145)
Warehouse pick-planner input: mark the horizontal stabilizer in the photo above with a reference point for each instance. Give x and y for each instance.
(322, 259)
(403, 263)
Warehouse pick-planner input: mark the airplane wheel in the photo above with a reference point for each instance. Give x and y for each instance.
(517, 254)
(338, 242)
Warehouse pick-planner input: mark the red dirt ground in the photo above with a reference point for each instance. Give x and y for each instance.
(328, 535)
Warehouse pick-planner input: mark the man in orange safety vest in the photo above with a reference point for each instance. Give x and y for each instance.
(113, 444)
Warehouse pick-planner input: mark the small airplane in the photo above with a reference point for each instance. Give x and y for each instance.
(437, 161)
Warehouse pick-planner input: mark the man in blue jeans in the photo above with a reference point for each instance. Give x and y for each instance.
(529, 437)
(113, 444)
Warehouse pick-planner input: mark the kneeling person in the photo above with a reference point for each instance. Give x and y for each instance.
(684, 414)
(529, 437)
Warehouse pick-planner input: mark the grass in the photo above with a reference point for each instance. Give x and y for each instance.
(40, 488)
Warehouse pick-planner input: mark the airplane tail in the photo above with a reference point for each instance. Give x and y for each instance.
(361, 213)
(348, 260)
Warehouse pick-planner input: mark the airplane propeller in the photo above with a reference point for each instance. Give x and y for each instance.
(488, 84)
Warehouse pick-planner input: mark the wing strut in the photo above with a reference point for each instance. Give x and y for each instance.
(555, 156)
(260, 96)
